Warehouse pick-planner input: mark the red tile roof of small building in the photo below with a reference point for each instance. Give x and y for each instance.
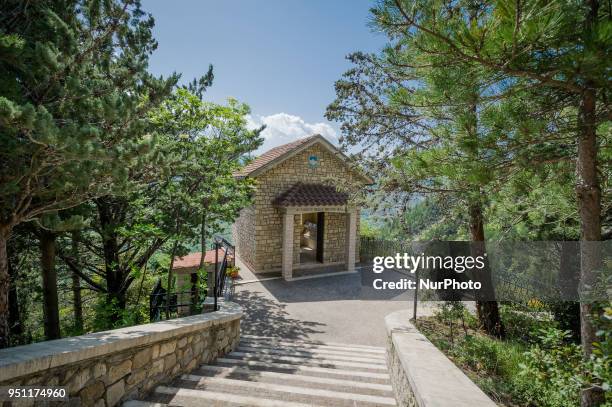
(302, 194)
(271, 155)
(192, 260)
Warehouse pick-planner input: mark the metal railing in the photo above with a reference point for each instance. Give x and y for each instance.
(222, 287)
(164, 305)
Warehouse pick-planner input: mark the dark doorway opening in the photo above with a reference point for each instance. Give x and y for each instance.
(311, 238)
(320, 226)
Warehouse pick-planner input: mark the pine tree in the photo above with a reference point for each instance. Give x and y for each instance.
(75, 94)
(427, 117)
(561, 48)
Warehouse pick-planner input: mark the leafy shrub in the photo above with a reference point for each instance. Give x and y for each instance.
(522, 325)
(485, 354)
(369, 229)
(567, 314)
(551, 373)
(599, 367)
(546, 370)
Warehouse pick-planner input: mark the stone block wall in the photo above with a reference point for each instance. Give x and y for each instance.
(107, 368)
(334, 233)
(268, 219)
(243, 234)
(399, 380)
(421, 375)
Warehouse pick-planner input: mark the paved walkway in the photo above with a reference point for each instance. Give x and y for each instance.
(327, 309)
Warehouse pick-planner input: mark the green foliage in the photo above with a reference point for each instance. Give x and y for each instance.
(110, 315)
(140, 164)
(74, 102)
(190, 186)
(75, 97)
(485, 105)
(567, 316)
(422, 216)
(553, 370)
(207, 143)
(544, 369)
(536, 205)
(524, 324)
(367, 228)
(599, 365)
(427, 219)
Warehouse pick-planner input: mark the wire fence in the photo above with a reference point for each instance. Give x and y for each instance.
(516, 277)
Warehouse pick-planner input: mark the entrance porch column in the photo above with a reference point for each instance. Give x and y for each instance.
(351, 239)
(287, 257)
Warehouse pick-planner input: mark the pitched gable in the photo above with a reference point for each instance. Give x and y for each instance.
(270, 156)
(277, 155)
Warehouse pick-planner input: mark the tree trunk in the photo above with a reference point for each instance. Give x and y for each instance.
(115, 296)
(203, 241)
(487, 310)
(589, 203)
(170, 278)
(76, 287)
(569, 274)
(49, 278)
(140, 287)
(15, 324)
(195, 289)
(5, 286)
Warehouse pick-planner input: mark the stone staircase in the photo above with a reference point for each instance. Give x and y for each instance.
(275, 372)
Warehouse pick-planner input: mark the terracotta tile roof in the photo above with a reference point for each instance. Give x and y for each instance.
(311, 195)
(192, 260)
(272, 155)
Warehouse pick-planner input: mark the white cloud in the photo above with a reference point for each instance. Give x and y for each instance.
(282, 128)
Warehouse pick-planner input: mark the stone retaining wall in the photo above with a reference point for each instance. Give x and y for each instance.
(421, 375)
(104, 368)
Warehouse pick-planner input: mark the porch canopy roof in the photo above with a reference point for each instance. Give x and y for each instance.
(302, 194)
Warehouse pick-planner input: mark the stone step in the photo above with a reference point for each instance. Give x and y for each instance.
(320, 362)
(314, 355)
(346, 385)
(288, 351)
(285, 392)
(205, 398)
(141, 403)
(313, 348)
(279, 372)
(304, 341)
(300, 344)
(372, 377)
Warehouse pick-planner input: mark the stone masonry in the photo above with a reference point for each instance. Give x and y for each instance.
(243, 232)
(421, 375)
(258, 231)
(106, 368)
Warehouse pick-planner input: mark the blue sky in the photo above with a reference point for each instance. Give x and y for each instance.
(280, 57)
